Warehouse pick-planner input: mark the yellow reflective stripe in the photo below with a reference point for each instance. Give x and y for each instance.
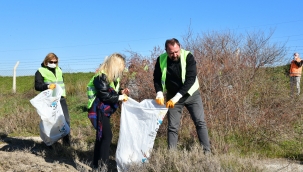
(90, 102)
(91, 89)
(163, 65)
(51, 82)
(91, 96)
(194, 88)
(116, 88)
(183, 64)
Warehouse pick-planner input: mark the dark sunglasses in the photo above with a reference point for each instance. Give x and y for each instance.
(53, 62)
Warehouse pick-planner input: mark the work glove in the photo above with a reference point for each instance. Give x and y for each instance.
(171, 103)
(123, 97)
(160, 98)
(52, 86)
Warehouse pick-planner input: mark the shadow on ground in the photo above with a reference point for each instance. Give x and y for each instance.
(56, 153)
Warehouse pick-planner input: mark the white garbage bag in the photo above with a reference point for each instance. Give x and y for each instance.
(138, 129)
(52, 125)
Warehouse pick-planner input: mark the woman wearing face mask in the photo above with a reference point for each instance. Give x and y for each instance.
(46, 77)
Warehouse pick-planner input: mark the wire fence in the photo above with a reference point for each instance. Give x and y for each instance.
(24, 79)
(31, 72)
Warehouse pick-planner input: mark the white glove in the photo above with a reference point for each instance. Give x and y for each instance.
(123, 97)
(176, 98)
(160, 98)
(159, 95)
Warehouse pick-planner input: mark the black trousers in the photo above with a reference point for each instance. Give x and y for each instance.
(65, 139)
(102, 146)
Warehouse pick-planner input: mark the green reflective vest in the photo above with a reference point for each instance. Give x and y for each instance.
(50, 78)
(163, 66)
(91, 91)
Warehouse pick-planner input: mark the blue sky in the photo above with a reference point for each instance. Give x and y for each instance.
(82, 33)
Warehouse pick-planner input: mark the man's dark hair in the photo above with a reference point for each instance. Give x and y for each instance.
(172, 41)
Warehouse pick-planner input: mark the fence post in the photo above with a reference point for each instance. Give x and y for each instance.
(14, 77)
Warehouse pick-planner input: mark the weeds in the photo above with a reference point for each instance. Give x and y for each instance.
(247, 106)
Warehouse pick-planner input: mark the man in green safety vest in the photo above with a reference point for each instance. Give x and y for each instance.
(176, 74)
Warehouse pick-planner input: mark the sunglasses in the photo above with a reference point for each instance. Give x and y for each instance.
(53, 62)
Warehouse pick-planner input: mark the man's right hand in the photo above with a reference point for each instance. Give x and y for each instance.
(52, 86)
(160, 98)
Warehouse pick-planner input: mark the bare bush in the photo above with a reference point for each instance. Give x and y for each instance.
(245, 96)
(240, 90)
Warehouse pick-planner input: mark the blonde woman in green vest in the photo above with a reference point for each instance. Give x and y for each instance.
(176, 74)
(46, 77)
(104, 94)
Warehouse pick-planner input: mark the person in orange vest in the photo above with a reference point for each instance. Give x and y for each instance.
(295, 74)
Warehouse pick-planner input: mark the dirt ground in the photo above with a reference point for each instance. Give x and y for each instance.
(22, 155)
(31, 154)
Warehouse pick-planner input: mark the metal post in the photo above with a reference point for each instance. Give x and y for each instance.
(14, 77)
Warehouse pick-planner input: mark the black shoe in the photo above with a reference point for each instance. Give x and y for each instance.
(66, 144)
(95, 168)
(66, 140)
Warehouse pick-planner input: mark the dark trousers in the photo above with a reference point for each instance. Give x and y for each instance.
(195, 108)
(102, 146)
(65, 139)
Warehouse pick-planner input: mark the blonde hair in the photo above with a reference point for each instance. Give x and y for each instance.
(49, 57)
(113, 66)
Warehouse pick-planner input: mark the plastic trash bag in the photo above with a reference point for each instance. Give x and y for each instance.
(138, 129)
(52, 124)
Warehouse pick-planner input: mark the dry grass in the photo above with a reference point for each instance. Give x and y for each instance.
(194, 160)
(247, 108)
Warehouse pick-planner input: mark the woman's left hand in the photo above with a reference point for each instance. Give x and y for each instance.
(125, 91)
